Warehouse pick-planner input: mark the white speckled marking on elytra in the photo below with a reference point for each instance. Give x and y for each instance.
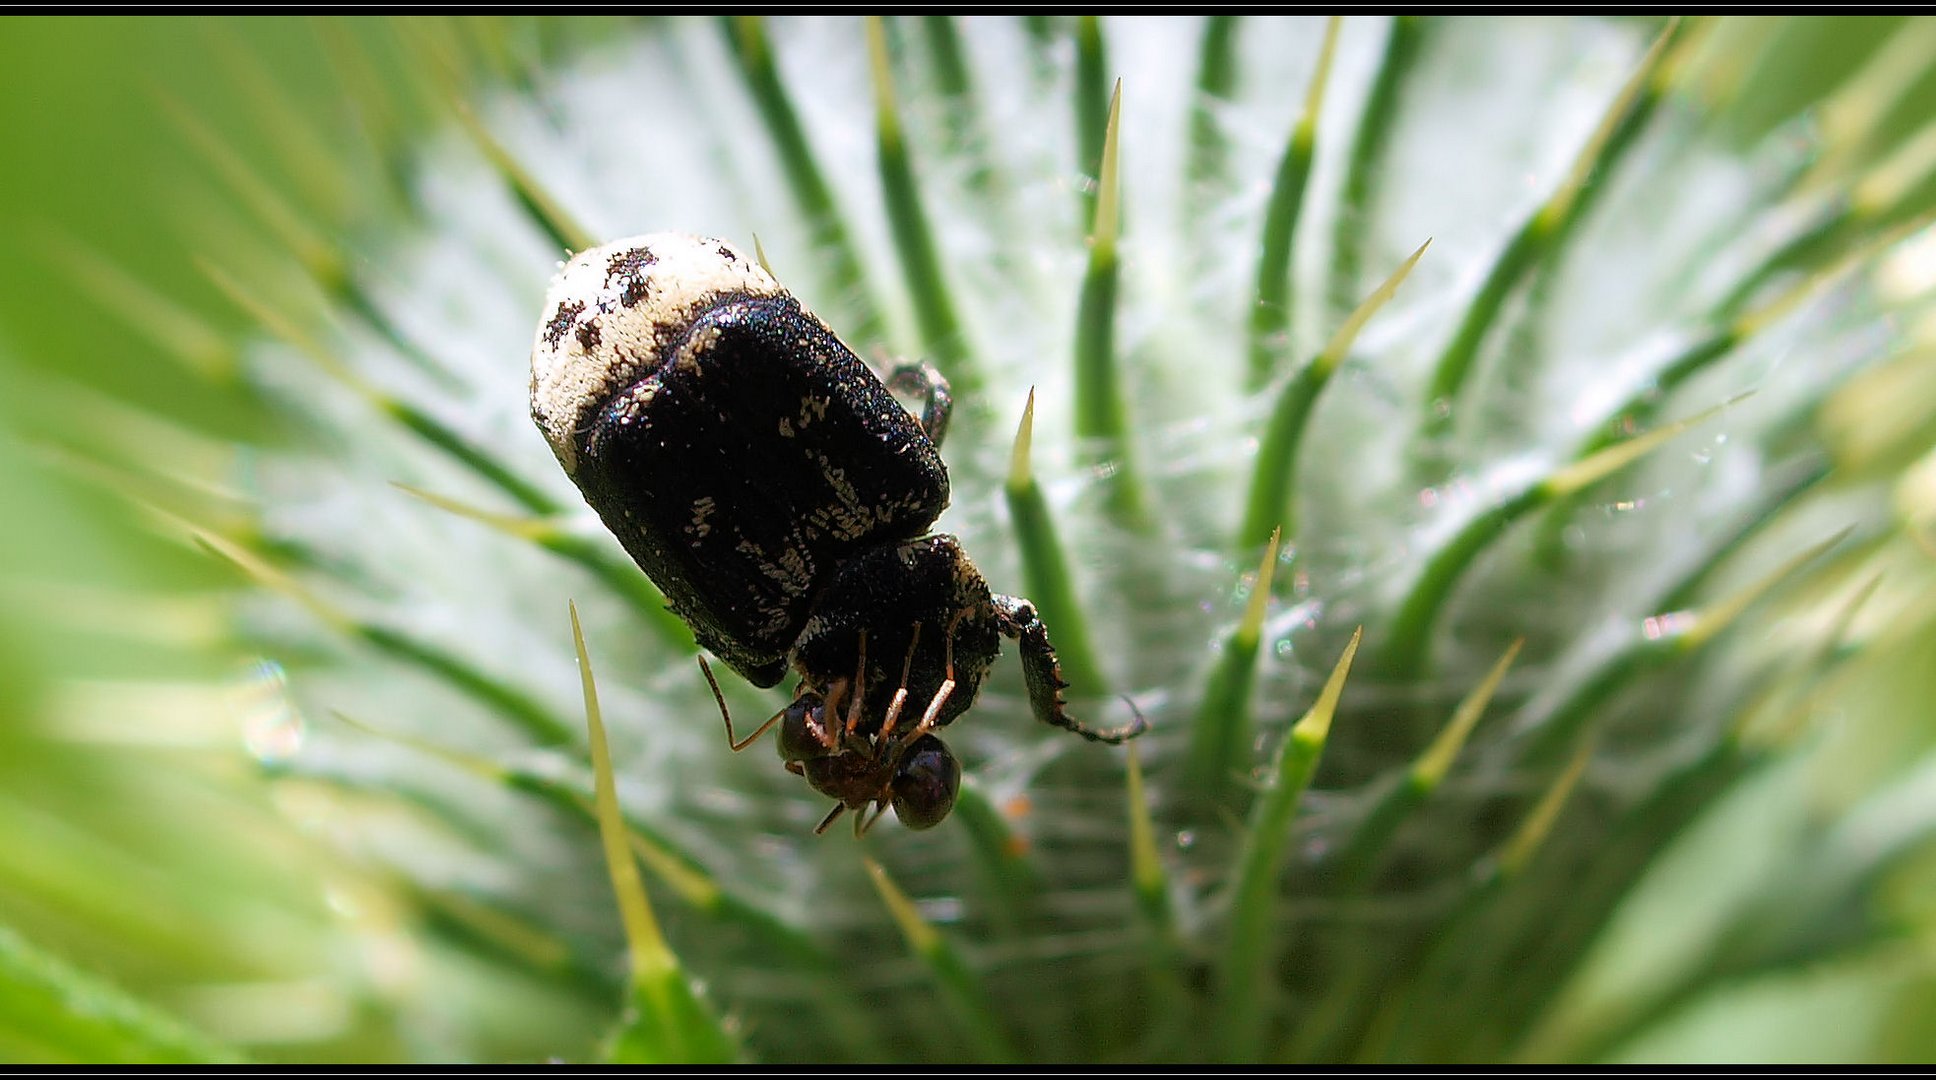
(612, 311)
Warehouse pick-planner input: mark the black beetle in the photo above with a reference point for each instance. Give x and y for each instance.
(771, 486)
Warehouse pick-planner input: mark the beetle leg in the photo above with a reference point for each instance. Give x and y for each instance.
(946, 689)
(894, 708)
(1042, 672)
(860, 685)
(934, 709)
(736, 744)
(921, 379)
(901, 692)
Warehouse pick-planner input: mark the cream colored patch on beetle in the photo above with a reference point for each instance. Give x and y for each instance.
(967, 577)
(688, 358)
(702, 509)
(612, 312)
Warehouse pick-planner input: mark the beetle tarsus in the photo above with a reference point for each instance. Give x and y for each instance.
(920, 378)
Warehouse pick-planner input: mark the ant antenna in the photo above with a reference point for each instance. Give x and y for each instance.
(736, 744)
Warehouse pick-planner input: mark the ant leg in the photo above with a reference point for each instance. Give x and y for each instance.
(900, 694)
(796, 768)
(839, 807)
(880, 808)
(937, 401)
(1042, 672)
(739, 744)
(860, 685)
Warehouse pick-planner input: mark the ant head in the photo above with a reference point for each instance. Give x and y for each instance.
(925, 782)
(804, 734)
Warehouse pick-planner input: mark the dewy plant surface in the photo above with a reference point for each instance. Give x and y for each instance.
(1469, 442)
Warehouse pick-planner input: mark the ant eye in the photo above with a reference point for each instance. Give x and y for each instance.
(803, 729)
(925, 783)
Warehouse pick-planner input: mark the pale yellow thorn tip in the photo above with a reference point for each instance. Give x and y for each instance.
(920, 936)
(475, 764)
(1341, 341)
(1857, 257)
(759, 252)
(1437, 759)
(650, 958)
(280, 325)
(1721, 615)
(1019, 475)
(882, 75)
(1589, 156)
(1520, 849)
(1252, 626)
(1598, 466)
(1314, 94)
(1108, 183)
(522, 526)
(1315, 725)
(274, 580)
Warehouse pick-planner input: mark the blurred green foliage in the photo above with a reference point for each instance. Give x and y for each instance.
(140, 844)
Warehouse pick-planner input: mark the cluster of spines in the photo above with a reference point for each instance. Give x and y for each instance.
(1221, 737)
